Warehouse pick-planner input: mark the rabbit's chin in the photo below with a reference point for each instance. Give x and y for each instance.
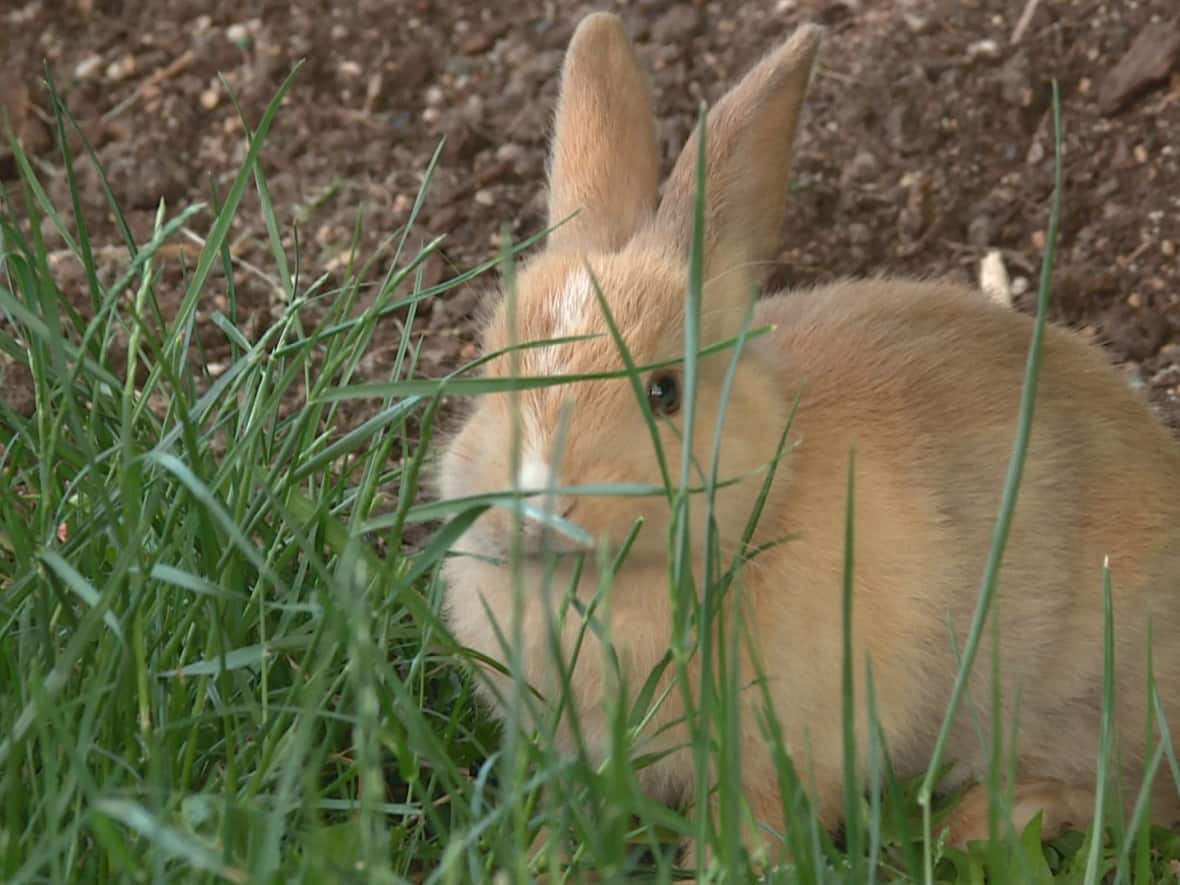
(504, 551)
(496, 540)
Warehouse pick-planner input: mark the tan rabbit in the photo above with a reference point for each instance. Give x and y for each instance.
(922, 378)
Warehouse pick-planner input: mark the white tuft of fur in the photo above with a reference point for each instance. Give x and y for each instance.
(573, 304)
(535, 473)
(571, 308)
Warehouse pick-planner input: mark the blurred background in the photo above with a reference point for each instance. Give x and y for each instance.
(927, 144)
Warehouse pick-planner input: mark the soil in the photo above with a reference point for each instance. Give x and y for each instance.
(927, 144)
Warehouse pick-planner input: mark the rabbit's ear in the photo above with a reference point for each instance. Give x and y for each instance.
(749, 139)
(604, 164)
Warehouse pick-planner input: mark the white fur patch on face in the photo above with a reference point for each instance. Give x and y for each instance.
(535, 474)
(573, 303)
(571, 307)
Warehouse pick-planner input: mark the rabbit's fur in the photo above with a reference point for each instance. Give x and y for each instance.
(922, 378)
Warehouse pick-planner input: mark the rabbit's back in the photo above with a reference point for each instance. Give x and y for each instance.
(931, 374)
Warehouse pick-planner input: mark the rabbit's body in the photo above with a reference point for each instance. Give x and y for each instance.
(923, 379)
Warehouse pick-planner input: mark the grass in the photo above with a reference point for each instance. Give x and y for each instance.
(211, 671)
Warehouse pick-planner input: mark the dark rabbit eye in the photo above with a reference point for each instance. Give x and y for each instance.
(663, 392)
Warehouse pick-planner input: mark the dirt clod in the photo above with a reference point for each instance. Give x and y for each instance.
(1148, 61)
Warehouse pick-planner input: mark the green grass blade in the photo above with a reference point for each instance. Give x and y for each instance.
(1008, 500)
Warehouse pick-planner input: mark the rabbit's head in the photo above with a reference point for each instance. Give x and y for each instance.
(616, 239)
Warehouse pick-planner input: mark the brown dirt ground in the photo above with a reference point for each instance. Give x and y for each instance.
(928, 139)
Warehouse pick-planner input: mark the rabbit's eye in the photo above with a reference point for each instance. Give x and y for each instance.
(663, 393)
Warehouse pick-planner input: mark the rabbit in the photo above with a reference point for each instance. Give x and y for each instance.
(921, 377)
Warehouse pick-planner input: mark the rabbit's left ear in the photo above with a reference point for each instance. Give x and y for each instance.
(604, 164)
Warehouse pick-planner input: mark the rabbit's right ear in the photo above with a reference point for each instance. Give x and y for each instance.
(604, 164)
(749, 139)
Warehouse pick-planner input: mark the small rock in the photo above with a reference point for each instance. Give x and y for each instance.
(918, 23)
(324, 234)
(1036, 152)
(87, 67)
(987, 48)
(1020, 285)
(509, 152)
(485, 197)
(210, 99)
(993, 279)
(121, 68)
(238, 35)
(1151, 57)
